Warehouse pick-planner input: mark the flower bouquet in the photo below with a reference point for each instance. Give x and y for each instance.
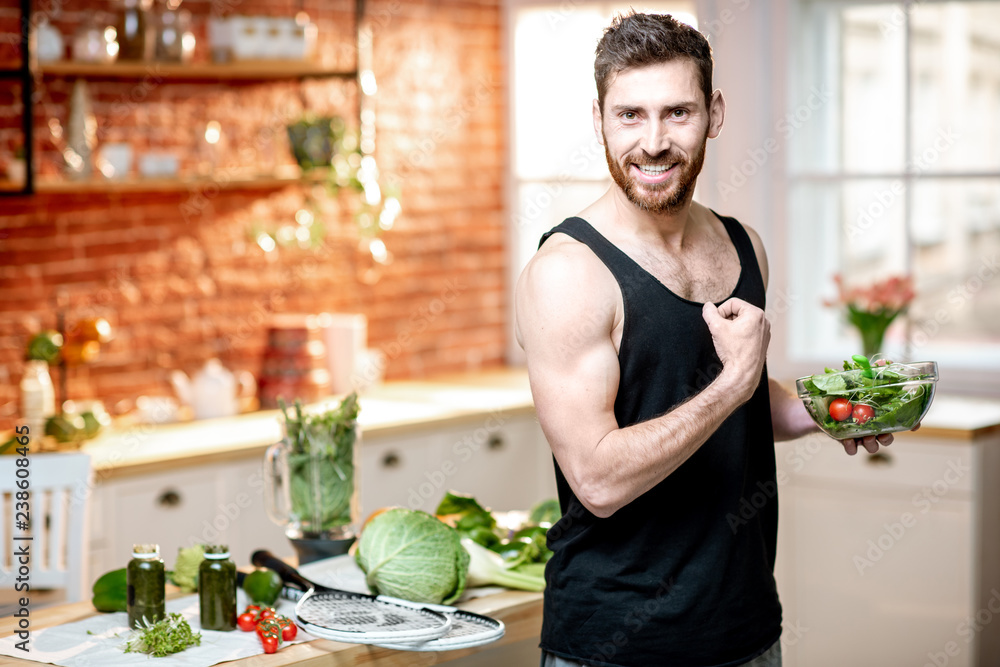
(872, 309)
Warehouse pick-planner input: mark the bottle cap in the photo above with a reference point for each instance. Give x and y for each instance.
(145, 550)
(216, 551)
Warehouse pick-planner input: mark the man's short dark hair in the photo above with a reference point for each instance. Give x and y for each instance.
(635, 40)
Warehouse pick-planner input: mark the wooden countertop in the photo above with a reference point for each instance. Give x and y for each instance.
(521, 613)
(961, 417)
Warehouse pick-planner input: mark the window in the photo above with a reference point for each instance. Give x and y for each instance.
(558, 167)
(899, 172)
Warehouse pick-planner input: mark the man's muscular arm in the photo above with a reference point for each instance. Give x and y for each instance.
(567, 305)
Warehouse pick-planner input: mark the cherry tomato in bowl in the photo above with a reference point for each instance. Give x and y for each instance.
(841, 409)
(862, 413)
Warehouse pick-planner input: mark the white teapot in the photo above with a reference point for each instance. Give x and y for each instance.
(215, 391)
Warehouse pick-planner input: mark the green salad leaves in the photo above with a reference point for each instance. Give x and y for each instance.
(897, 395)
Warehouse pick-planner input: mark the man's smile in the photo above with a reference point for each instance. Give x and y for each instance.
(653, 174)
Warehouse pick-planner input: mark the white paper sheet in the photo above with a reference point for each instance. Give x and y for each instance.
(70, 645)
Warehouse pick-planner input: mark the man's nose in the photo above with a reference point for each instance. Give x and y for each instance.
(656, 139)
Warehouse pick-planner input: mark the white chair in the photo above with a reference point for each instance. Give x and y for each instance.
(59, 486)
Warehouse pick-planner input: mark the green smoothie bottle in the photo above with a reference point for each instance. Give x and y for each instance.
(146, 584)
(217, 589)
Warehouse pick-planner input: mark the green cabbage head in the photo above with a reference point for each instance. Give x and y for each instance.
(412, 555)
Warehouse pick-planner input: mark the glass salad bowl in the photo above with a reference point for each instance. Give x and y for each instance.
(869, 400)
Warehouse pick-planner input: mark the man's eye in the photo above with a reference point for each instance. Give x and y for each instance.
(679, 113)
(629, 115)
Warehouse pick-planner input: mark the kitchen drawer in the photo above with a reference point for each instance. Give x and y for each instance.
(173, 510)
(909, 463)
(503, 461)
(401, 471)
(498, 464)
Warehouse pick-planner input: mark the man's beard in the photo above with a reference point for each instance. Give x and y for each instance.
(658, 198)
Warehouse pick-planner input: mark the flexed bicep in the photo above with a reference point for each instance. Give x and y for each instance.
(566, 313)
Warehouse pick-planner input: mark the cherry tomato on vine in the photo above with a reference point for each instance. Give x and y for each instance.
(840, 409)
(247, 621)
(269, 642)
(863, 413)
(289, 631)
(268, 626)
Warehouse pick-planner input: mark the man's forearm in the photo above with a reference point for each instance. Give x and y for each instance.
(629, 461)
(789, 418)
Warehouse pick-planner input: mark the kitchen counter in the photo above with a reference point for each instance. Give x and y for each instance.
(521, 613)
(405, 406)
(960, 417)
(401, 406)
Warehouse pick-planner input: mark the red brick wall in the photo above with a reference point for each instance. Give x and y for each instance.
(179, 275)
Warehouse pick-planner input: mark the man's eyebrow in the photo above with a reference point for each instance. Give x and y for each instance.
(617, 108)
(685, 104)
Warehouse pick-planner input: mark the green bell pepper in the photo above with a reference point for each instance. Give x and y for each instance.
(111, 591)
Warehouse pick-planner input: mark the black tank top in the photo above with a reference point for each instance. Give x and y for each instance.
(683, 576)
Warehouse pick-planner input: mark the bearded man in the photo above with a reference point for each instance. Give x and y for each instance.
(642, 320)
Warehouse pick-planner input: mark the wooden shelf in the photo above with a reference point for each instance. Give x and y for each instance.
(243, 70)
(111, 186)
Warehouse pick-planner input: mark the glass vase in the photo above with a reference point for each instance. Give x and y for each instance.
(872, 327)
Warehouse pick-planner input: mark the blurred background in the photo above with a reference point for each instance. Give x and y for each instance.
(208, 204)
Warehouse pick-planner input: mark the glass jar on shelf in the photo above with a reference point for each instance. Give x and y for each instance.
(174, 39)
(136, 31)
(94, 42)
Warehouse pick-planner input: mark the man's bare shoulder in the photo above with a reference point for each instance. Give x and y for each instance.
(563, 281)
(564, 261)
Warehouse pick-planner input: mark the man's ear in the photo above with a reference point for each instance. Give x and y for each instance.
(716, 114)
(598, 123)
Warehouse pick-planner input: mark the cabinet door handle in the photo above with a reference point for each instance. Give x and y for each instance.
(495, 442)
(391, 460)
(879, 459)
(169, 498)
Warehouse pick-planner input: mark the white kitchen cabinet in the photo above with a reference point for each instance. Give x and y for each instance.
(162, 508)
(502, 459)
(218, 503)
(889, 559)
(401, 470)
(251, 529)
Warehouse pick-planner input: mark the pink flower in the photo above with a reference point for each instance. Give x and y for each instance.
(890, 296)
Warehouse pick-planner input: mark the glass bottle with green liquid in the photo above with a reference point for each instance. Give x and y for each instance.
(145, 580)
(217, 589)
